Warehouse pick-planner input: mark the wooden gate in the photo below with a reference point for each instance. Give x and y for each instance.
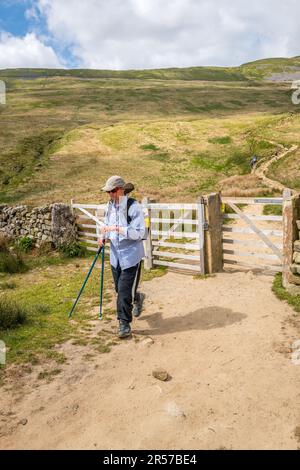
(251, 239)
(177, 235)
(89, 218)
(175, 238)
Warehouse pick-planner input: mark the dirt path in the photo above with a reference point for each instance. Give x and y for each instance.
(224, 341)
(262, 169)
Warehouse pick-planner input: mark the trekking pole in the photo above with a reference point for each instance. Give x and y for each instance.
(102, 282)
(85, 281)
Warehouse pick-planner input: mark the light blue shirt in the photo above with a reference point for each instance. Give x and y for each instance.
(126, 248)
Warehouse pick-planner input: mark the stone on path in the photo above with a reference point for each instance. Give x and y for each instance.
(161, 374)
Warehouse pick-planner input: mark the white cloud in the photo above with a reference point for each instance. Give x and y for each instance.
(32, 13)
(27, 51)
(124, 34)
(155, 33)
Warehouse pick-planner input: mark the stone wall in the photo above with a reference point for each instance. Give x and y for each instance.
(52, 223)
(295, 267)
(291, 244)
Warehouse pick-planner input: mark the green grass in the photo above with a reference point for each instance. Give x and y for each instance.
(25, 244)
(191, 73)
(220, 140)
(247, 73)
(47, 297)
(287, 170)
(169, 131)
(272, 209)
(233, 162)
(153, 273)
(7, 285)
(12, 263)
(203, 277)
(12, 313)
(30, 155)
(48, 306)
(264, 68)
(149, 147)
(160, 157)
(282, 294)
(54, 130)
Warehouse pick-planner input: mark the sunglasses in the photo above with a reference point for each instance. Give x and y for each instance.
(112, 191)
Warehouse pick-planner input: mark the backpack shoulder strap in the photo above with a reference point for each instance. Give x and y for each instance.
(130, 201)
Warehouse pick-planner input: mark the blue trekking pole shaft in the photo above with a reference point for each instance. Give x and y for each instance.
(102, 282)
(85, 281)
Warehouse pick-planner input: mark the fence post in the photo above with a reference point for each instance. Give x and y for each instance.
(213, 253)
(148, 260)
(72, 208)
(201, 220)
(290, 214)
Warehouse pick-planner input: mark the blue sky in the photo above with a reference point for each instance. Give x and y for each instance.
(12, 17)
(124, 34)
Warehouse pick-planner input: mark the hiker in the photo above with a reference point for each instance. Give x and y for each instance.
(125, 227)
(253, 162)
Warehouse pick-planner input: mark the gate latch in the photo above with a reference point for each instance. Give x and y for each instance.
(205, 225)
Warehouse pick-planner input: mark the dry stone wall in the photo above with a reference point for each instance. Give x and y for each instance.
(295, 267)
(291, 244)
(52, 223)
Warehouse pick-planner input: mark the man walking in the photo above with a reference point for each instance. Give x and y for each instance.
(125, 227)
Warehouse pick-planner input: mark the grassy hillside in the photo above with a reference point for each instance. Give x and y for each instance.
(280, 68)
(189, 73)
(60, 137)
(257, 70)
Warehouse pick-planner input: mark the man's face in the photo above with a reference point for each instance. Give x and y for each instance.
(116, 193)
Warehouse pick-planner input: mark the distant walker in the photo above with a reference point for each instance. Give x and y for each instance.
(253, 163)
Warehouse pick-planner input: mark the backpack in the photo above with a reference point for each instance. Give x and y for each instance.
(130, 201)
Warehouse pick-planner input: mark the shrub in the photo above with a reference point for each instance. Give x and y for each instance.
(12, 263)
(25, 244)
(8, 285)
(45, 248)
(72, 250)
(4, 244)
(11, 313)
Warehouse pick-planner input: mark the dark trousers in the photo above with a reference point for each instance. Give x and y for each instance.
(126, 282)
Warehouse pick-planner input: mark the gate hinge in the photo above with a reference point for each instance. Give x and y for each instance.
(205, 226)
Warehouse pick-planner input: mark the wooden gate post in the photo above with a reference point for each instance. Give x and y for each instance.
(213, 248)
(148, 260)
